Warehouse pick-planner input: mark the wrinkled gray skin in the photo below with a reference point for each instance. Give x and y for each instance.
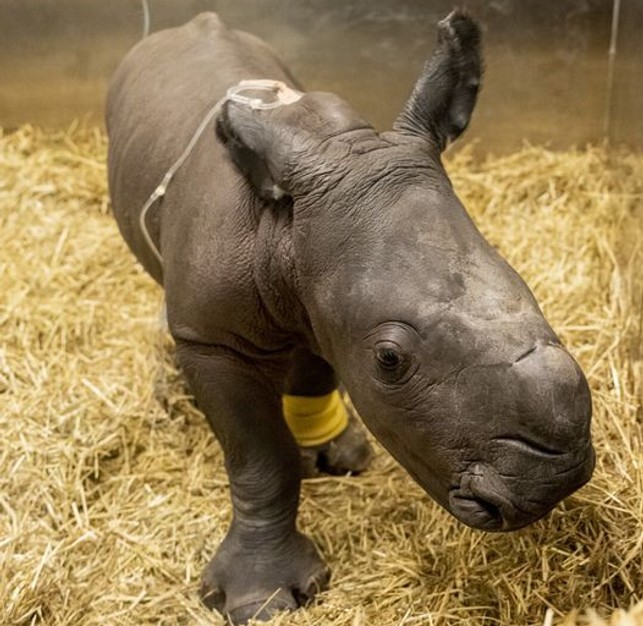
(368, 266)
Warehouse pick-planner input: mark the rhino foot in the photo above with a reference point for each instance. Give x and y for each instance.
(256, 583)
(350, 452)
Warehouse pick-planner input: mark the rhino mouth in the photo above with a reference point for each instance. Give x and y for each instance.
(484, 508)
(481, 501)
(484, 500)
(481, 497)
(475, 512)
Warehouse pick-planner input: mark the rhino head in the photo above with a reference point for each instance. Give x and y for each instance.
(439, 342)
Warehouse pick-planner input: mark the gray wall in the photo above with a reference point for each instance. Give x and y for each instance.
(546, 60)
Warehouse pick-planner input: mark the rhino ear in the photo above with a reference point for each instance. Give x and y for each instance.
(280, 149)
(445, 94)
(250, 138)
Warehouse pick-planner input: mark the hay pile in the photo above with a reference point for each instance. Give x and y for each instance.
(112, 492)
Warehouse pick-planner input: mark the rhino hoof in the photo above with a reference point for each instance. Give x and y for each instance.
(263, 610)
(242, 585)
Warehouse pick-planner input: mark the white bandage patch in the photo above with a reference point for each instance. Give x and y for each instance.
(273, 93)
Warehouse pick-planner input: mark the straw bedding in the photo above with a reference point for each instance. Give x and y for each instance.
(112, 490)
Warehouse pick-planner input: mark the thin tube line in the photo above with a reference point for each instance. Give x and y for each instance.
(607, 120)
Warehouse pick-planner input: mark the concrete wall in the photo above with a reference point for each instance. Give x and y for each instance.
(547, 64)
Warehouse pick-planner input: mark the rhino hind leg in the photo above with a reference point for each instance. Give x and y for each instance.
(330, 435)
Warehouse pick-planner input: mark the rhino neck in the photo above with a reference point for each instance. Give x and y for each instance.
(338, 231)
(276, 278)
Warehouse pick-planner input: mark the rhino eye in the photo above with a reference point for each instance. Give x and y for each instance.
(392, 365)
(393, 348)
(388, 357)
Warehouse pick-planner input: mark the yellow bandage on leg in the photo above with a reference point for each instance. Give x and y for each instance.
(315, 420)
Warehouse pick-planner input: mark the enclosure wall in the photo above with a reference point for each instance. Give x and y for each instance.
(547, 76)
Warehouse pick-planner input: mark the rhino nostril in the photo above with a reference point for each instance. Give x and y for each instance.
(528, 446)
(524, 355)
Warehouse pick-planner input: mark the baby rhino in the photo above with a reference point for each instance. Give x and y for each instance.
(298, 248)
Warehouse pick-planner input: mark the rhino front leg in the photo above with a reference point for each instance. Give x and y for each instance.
(329, 433)
(264, 564)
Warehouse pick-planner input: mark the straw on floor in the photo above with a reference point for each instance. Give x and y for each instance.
(112, 490)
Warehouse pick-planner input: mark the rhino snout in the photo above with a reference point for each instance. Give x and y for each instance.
(539, 450)
(555, 399)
